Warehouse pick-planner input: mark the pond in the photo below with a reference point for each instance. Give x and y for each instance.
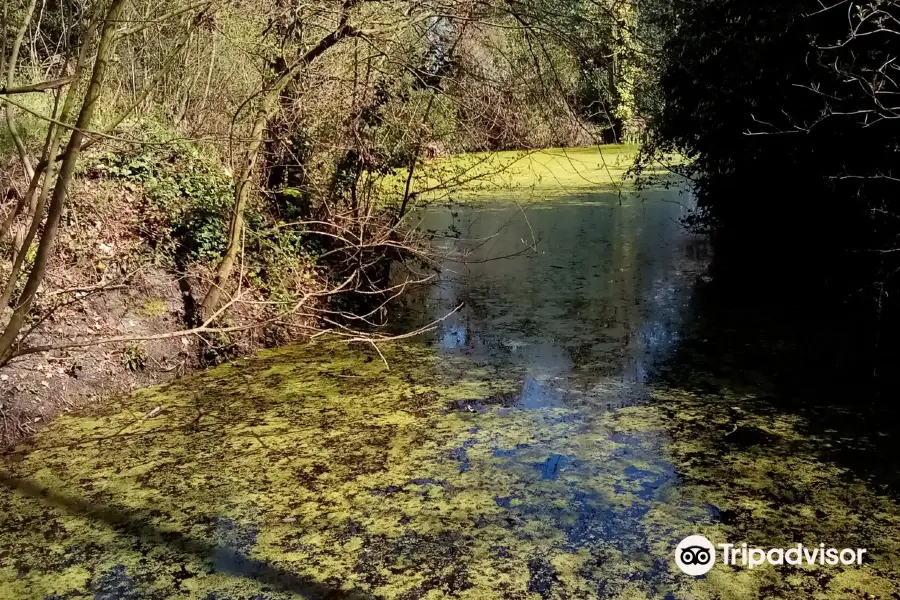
(577, 411)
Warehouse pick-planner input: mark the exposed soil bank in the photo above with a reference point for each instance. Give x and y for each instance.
(109, 278)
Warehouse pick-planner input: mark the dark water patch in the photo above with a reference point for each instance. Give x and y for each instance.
(482, 404)
(650, 482)
(234, 542)
(509, 452)
(597, 524)
(745, 437)
(405, 487)
(115, 584)
(542, 577)
(550, 468)
(539, 395)
(504, 502)
(460, 454)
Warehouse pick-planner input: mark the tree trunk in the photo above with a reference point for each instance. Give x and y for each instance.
(268, 107)
(11, 71)
(58, 200)
(241, 195)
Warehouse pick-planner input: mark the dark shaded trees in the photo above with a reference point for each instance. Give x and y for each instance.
(786, 114)
(780, 108)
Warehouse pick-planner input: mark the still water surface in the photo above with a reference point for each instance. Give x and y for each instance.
(555, 437)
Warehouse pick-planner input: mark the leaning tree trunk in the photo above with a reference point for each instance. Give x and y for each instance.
(241, 195)
(268, 108)
(67, 168)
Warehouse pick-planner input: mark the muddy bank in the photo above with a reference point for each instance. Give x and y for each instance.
(110, 277)
(37, 387)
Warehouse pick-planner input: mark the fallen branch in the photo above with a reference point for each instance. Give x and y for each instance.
(42, 86)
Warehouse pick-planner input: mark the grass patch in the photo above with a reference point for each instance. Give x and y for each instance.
(31, 129)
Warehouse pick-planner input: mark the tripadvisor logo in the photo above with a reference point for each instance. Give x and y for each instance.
(696, 555)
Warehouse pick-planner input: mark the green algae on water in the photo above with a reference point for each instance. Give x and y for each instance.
(316, 472)
(527, 176)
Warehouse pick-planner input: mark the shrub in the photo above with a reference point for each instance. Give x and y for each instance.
(192, 194)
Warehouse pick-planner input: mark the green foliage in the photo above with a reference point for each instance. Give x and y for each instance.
(134, 357)
(190, 192)
(280, 259)
(32, 130)
(190, 200)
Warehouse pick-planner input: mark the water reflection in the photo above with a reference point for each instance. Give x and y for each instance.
(583, 299)
(568, 288)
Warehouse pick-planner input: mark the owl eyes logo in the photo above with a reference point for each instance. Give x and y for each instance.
(695, 555)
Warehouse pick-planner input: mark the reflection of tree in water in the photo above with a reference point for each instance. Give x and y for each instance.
(603, 286)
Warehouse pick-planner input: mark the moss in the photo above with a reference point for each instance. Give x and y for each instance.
(153, 308)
